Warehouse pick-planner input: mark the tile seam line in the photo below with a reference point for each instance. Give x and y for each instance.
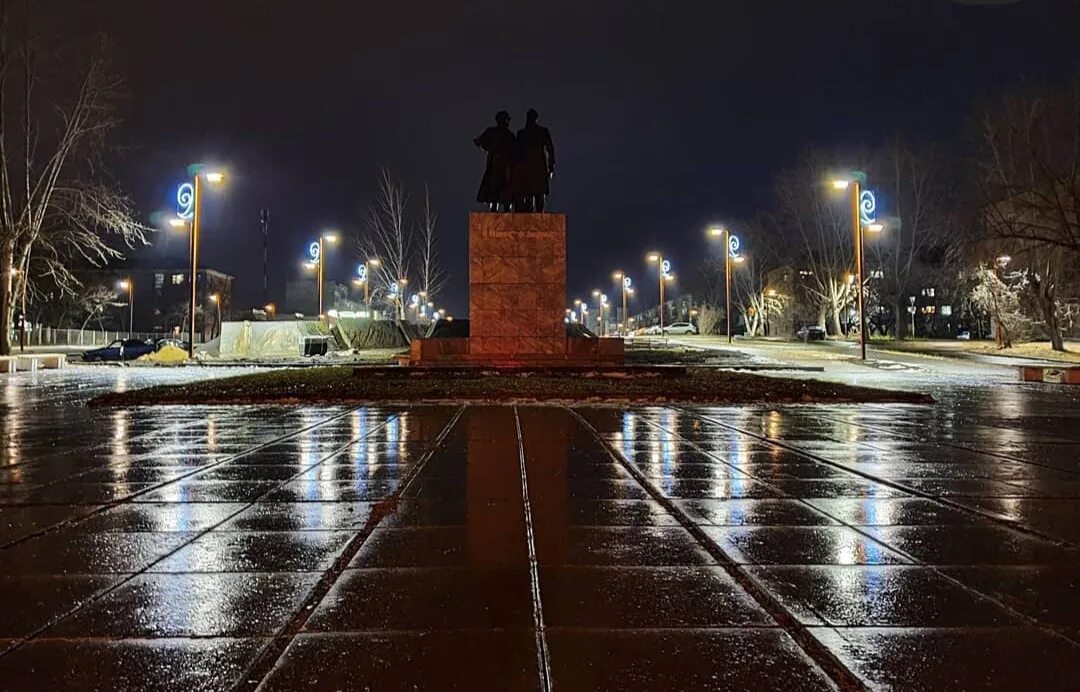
(820, 655)
(914, 492)
(131, 576)
(257, 671)
(99, 509)
(543, 653)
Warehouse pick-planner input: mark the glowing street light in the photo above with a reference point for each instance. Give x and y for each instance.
(663, 275)
(270, 309)
(215, 298)
(863, 210)
(731, 255)
(601, 303)
(189, 210)
(317, 251)
(129, 286)
(363, 273)
(625, 284)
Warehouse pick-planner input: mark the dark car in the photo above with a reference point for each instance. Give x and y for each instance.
(121, 349)
(810, 333)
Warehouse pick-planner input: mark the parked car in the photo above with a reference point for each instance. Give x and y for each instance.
(963, 335)
(170, 341)
(680, 328)
(810, 333)
(653, 330)
(121, 349)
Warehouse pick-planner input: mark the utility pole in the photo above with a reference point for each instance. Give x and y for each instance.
(264, 224)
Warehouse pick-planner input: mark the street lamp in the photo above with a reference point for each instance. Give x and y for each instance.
(601, 304)
(863, 208)
(129, 286)
(189, 210)
(270, 309)
(663, 275)
(625, 283)
(317, 251)
(731, 254)
(364, 277)
(216, 300)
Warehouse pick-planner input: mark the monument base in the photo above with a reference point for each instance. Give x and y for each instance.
(517, 300)
(577, 353)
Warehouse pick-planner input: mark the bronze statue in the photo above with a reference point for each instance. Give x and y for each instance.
(534, 165)
(498, 141)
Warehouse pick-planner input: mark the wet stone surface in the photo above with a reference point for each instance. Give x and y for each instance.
(523, 548)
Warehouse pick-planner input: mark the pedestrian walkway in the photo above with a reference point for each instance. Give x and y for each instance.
(593, 548)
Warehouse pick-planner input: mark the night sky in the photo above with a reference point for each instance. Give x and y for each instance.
(667, 116)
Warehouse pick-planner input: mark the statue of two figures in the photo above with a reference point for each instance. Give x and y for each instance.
(518, 166)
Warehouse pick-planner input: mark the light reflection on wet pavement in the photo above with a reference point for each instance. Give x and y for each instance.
(651, 548)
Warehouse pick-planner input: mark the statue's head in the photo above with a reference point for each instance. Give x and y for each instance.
(531, 115)
(502, 118)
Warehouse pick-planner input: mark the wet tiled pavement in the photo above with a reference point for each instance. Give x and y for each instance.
(507, 548)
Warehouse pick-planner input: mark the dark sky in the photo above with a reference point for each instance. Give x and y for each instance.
(667, 116)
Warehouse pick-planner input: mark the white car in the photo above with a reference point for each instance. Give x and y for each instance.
(680, 328)
(653, 330)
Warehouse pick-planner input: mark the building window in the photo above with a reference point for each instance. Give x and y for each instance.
(877, 274)
(928, 292)
(177, 279)
(159, 282)
(946, 310)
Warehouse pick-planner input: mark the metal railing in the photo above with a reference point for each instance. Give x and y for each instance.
(49, 336)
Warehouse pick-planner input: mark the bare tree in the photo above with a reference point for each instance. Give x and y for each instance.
(1030, 185)
(432, 278)
(387, 237)
(55, 204)
(917, 228)
(816, 222)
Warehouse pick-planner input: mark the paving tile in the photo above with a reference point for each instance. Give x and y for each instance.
(128, 665)
(166, 516)
(618, 513)
(877, 596)
(436, 660)
(716, 489)
(737, 659)
(191, 605)
(68, 552)
(621, 546)
(763, 512)
(32, 601)
(300, 516)
(258, 551)
(17, 522)
(1007, 658)
(495, 546)
(972, 545)
(645, 597)
(209, 491)
(891, 511)
(425, 599)
(795, 545)
(331, 491)
(1050, 594)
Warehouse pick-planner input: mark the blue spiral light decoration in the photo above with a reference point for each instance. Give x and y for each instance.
(733, 245)
(867, 207)
(665, 267)
(626, 282)
(185, 201)
(361, 272)
(314, 251)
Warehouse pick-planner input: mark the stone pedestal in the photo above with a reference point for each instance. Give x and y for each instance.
(517, 302)
(517, 286)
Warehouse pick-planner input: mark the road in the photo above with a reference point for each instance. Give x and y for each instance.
(528, 547)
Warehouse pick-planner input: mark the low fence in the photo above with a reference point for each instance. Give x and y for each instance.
(48, 336)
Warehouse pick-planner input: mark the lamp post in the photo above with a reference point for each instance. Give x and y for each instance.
(270, 309)
(863, 206)
(128, 285)
(215, 298)
(189, 202)
(364, 272)
(601, 305)
(579, 304)
(731, 254)
(317, 251)
(625, 283)
(663, 275)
